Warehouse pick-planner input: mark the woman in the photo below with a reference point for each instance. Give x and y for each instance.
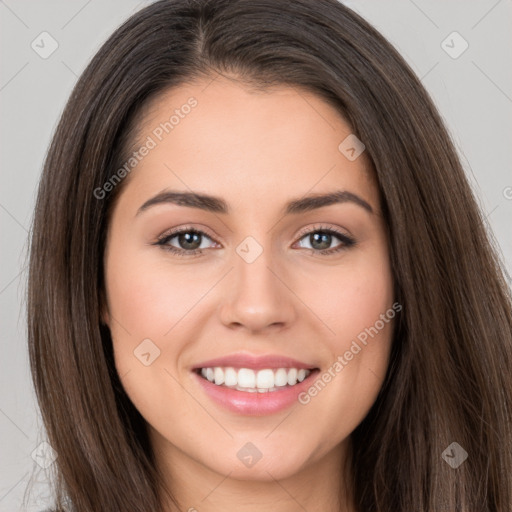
(259, 278)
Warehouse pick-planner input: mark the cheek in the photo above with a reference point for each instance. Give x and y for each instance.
(148, 307)
(358, 309)
(352, 299)
(147, 300)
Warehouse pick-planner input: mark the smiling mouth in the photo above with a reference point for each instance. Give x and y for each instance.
(255, 381)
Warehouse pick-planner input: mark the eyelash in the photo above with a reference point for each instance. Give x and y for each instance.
(346, 241)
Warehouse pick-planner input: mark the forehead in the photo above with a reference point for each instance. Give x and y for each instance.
(222, 137)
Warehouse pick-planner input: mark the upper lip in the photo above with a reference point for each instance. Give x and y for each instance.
(244, 360)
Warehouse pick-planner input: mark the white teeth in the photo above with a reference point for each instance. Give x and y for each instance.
(262, 381)
(218, 375)
(265, 379)
(251, 390)
(246, 378)
(292, 376)
(281, 377)
(230, 377)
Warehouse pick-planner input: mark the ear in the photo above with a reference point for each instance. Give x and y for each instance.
(105, 317)
(104, 313)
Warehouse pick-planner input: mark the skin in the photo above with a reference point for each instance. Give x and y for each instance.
(256, 150)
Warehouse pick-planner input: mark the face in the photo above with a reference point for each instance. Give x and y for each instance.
(258, 287)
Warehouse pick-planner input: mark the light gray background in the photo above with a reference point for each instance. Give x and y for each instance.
(473, 93)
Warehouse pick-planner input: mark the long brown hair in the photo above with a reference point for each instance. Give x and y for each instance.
(449, 379)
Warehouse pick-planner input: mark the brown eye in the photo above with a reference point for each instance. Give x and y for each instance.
(186, 242)
(320, 240)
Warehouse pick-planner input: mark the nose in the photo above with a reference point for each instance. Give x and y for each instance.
(257, 296)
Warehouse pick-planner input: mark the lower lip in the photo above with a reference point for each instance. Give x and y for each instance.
(255, 403)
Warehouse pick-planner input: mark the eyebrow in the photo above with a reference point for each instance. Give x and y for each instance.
(218, 205)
